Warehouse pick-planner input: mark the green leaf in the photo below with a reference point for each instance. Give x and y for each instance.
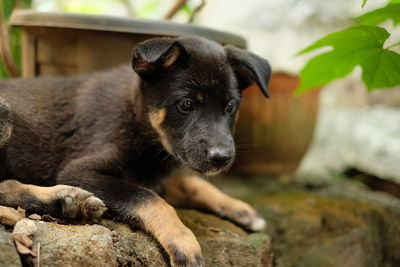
(381, 70)
(394, 2)
(323, 69)
(375, 17)
(356, 46)
(352, 38)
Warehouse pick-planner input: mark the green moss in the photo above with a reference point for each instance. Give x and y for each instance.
(207, 225)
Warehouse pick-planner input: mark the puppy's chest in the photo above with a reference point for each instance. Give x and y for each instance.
(149, 167)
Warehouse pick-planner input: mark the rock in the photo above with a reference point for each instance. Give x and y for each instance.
(26, 227)
(35, 217)
(117, 244)
(134, 248)
(9, 256)
(80, 245)
(9, 216)
(315, 230)
(342, 224)
(252, 250)
(223, 243)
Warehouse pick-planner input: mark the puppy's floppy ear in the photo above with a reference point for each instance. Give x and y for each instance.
(249, 68)
(155, 55)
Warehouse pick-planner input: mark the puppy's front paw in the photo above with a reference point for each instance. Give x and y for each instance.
(160, 219)
(183, 249)
(76, 202)
(242, 214)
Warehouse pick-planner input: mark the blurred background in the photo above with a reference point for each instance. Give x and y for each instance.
(322, 167)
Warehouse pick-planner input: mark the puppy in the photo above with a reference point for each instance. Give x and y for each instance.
(118, 139)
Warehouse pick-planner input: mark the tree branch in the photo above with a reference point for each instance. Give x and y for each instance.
(178, 5)
(129, 7)
(197, 10)
(5, 51)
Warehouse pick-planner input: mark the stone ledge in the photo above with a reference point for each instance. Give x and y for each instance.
(116, 244)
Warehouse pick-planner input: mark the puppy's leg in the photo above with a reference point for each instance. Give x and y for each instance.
(134, 205)
(160, 219)
(62, 201)
(195, 192)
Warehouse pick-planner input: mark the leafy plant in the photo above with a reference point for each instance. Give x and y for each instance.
(360, 45)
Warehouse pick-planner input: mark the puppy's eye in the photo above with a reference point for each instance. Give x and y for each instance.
(186, 106)
(230, 108)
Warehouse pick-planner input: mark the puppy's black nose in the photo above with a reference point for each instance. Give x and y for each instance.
(219, 157)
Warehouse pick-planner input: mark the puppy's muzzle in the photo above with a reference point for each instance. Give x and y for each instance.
(219, 157)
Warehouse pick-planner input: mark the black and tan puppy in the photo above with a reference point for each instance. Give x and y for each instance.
(123, 136)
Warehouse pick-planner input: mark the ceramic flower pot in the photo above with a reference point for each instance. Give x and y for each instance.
(69, 44)
(274, 134)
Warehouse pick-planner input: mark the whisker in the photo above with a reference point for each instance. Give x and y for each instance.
(166, 157)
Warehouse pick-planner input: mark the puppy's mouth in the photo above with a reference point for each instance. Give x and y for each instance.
(205, 167)
(208, 171)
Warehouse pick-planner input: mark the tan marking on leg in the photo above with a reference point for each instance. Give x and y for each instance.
(13, 189)
(195, 192)
(157, 117)
(77, 201)
(160, 219)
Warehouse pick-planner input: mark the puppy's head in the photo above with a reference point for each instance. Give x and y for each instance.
(191, 90)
